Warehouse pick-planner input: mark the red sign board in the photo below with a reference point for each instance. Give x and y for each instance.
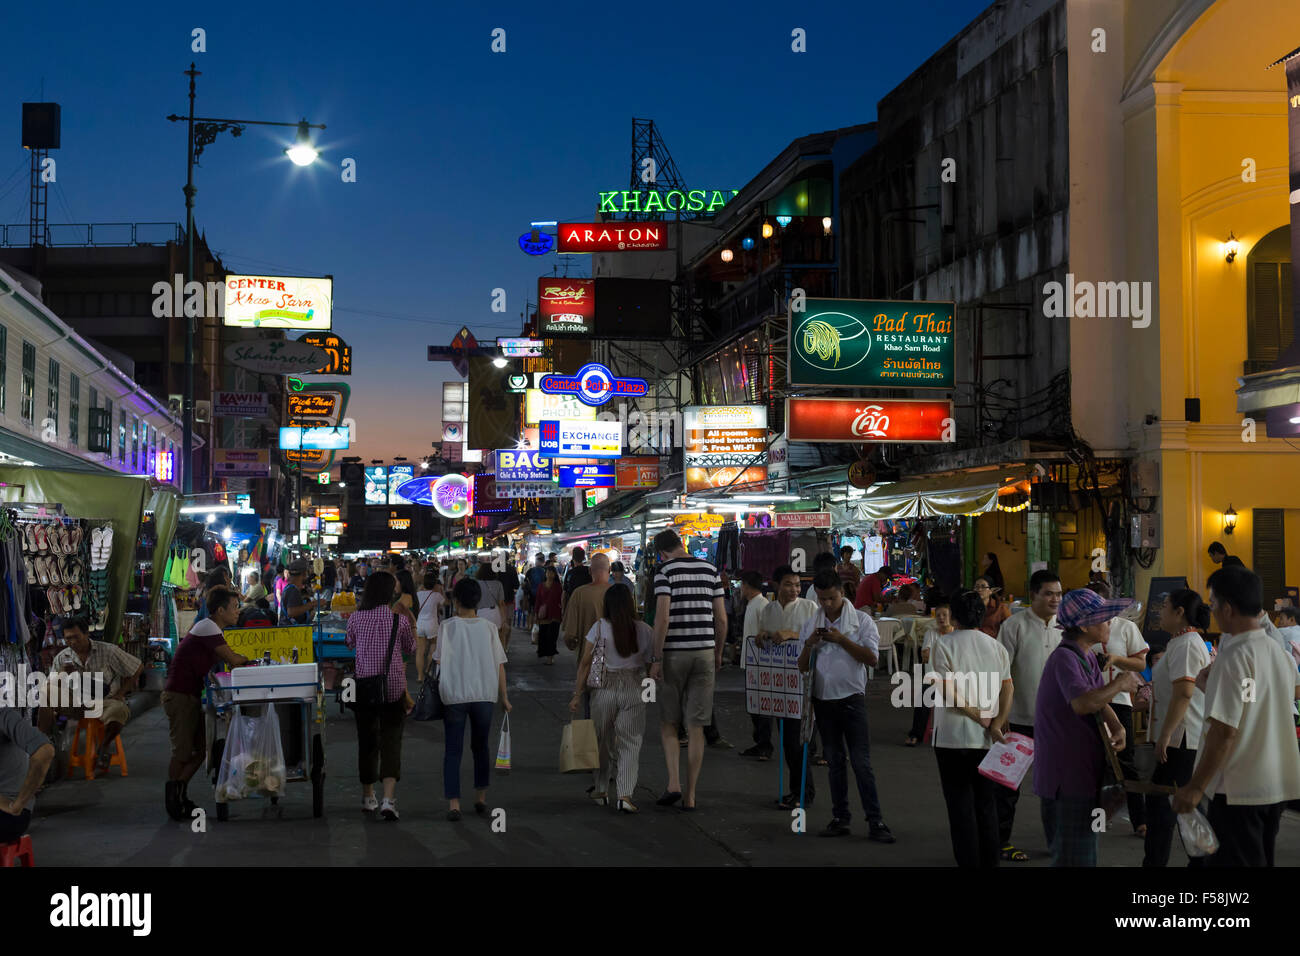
(802, 519)
(611, 236)
(565, 306)
(636, 473)
(869, 420)
(460, 347)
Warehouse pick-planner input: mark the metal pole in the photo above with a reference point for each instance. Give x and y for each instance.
(187, 409)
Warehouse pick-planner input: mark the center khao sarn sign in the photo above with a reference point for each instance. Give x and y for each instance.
(857, 343)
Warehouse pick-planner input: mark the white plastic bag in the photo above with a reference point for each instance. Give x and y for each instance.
(235, 756)
(1198, 836)
(265, 773)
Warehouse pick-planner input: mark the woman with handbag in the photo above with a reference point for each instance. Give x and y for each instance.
(471, 676)
(614, 661)
(380, 637)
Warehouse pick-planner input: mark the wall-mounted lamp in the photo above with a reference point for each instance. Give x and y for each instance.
(1231, 247)
(1229, 520)
(826, 225)
(747, 243)
(727, 255)
(768, 230)
(784, 220)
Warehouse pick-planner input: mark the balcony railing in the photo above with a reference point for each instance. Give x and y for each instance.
(95, 234)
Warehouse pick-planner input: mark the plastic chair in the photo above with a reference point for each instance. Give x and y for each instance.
(85, 757)
(891, 629)
(18, 853)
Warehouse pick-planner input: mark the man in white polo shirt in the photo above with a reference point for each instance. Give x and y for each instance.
(1029, 637)
(845, 643)
(1247, 763)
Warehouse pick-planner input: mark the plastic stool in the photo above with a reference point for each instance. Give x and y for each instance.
(85, 757)
(17, 854)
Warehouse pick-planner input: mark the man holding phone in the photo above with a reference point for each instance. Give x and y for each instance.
(839, 644)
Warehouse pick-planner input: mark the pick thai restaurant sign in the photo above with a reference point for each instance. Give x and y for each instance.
(565, 306)
(279, 302)
(918, 421)
(611, 236)
(311, 404)
(726, 446)
(856, 343)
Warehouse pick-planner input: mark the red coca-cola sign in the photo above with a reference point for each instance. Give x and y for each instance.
(919, 421)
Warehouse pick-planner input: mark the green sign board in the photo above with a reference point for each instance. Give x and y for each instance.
(869, 343)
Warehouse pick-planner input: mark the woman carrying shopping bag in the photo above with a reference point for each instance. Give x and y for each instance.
(613, 664)
(380, 638)
(472, 676)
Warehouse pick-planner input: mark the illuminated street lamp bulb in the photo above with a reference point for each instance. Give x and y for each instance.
(211, 518)
(225, 533)
(826, 225)
(302, 153)
(727, 255)
(500, 362)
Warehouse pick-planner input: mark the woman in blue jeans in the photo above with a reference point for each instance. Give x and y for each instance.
(472, 675)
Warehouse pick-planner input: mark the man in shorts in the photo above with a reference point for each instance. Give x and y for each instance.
(202, 648)
(690, 631)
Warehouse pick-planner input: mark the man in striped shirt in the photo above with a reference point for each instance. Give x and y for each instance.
(690, 631)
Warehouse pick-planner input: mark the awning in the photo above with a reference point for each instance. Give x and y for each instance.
(1270, 389)
(953, 494)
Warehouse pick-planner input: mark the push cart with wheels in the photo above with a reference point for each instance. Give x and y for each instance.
(294, 691)
(336, 660)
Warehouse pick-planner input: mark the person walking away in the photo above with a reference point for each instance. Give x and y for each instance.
(370, 633)
(995, 609)
(549, 598)
(534, 580)
(616, 705)
(781, 621)
(963, 731)
(429, 603)
(1029, 637)
(575, 575)
(329, 579)
(1126, 650)
(1069, 754)
(839, 644)
(199, 650)
(491, 602)
(1177, 713)
(921, 713)
(751, 593)
(583, 608)
(690, 629)
(1248, 764)
(472, 676)
(618, 575)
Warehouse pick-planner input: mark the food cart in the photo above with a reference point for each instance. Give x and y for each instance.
(329, 644)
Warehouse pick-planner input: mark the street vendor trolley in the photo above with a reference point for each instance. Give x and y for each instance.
(295, 693)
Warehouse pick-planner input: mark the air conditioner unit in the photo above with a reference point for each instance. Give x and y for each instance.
(202, 412)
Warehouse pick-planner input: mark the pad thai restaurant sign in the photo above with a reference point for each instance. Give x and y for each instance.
(864, 343)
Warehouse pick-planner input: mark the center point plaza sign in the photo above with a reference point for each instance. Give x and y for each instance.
(594, 385)
(857, 343)
(562, 439)
(916, 421)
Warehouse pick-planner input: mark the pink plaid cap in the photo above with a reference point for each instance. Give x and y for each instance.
(1082, 608)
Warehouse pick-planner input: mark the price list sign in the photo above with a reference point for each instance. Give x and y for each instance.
(773, 684)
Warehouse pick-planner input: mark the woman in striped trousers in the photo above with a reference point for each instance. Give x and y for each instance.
(613, 664)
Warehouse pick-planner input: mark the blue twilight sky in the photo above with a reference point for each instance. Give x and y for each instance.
(457, 149)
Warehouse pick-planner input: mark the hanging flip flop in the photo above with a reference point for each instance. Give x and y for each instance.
(42, 571)
(107, 545)
(96, 542)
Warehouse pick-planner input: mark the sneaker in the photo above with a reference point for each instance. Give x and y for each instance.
(388, 809)
(762, 753)
(369, 804)
(836, 828)
(721, 743)
(880, 833)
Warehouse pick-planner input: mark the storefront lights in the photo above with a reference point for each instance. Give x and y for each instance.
(826, 225)
(1229, 520)
(1231, 247)
(747, 243)
(784, 221)
(768, 230)
(727, 255)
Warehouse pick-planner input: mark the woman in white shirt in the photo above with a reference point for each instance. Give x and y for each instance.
(428, 603)
(921, 712)
(472, 676)
(1177, 713)
(967, 662)
(617, 709)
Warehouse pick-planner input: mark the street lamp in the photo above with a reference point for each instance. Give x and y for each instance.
(203, 132)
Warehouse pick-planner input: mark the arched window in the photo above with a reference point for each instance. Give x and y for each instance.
(1269, 321)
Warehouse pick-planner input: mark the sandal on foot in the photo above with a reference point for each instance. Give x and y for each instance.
(1010, 853)
(669, 798)
(911, 741)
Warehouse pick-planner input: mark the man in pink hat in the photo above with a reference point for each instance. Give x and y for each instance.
(1069, 756)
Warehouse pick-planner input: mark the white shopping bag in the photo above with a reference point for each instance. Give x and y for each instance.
(1007, 763)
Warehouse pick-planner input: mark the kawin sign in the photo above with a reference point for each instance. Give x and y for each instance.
(858, 343)
(916, 421)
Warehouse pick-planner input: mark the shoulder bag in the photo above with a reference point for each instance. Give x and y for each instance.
(373, 691)
(596, 675)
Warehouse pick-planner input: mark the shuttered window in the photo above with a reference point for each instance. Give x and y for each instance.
(1269, 554)
(1269, 319)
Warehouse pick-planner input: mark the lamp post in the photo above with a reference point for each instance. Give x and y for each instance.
(203, 132)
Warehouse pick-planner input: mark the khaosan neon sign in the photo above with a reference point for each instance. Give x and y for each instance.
(672, 200)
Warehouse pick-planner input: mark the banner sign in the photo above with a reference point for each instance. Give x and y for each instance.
(773, 686)
(244, 462)
(565, 306)
(538, 406)
(278, 302)
(398, 475)
(918, 421)
(529, 489)
(277, 357)
(311, 404)
(281, 642)
(856, 343)
(564, 439)
(306, 460)
(726, 446)
(521, 465)
(521, 348)
(611, 236)
(322, 438)
(240, 404)
(636, 473)
(376, 485)
(594, 385)
(586, 476)
(340, 352)
(802, 519)
(697, 523)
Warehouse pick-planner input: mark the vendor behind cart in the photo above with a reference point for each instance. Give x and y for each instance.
(199, 651)
(294, 606)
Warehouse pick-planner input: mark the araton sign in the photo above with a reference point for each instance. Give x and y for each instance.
(856, 343)
(611, 236)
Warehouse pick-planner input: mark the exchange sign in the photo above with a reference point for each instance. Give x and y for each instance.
(561, 439)
(278, 302)
(920, 421)
(856, 343)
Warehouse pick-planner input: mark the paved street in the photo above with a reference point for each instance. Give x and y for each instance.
(549, 821)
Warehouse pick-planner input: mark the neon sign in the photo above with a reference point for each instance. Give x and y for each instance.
(451, 496)
(673, 200)
(594, 385)
(164, 465)
(536, 243)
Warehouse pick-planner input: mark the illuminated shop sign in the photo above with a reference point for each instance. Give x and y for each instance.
(594, 385)
(611, 236)
(869, 420)
(278, 302)
(587, 476)
(580, 439)
(659, 200)
(867, 342)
